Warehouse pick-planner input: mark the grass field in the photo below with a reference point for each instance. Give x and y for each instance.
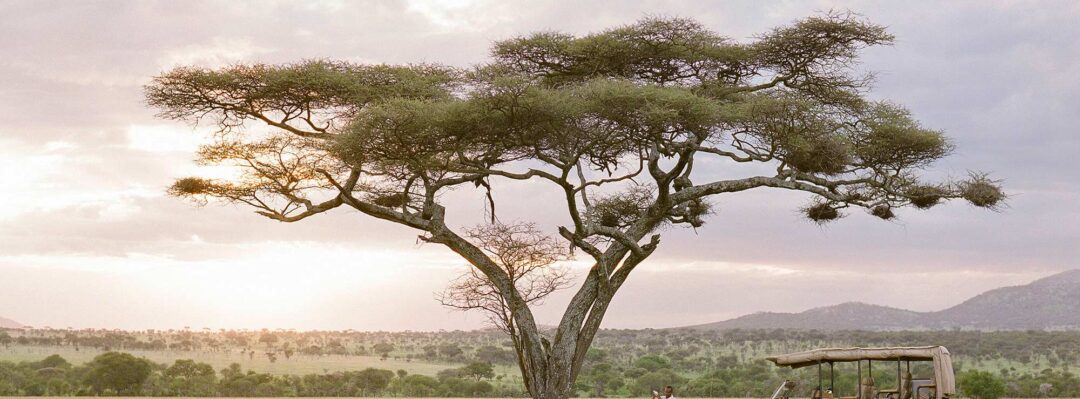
(295, 365)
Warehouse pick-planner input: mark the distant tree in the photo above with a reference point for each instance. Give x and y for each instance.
(268, 338)
(117, 373)
(526, 256)
(374, 380)
(479, 389)
(418, 386)
(187, 368)
(450, 373)
(232, 371)
(602, 378)
(493, 354)
(5, 339)
(619, 123)
(450, 350)
(652, 362)
(54, 361)
(431, 351)
(644, 384)
(478, 370)
(186, 377)
(383, 349)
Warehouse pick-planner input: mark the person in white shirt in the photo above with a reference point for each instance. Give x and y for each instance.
(669, 393)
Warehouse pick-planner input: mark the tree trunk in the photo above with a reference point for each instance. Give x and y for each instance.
(549, 369)
(558, 383)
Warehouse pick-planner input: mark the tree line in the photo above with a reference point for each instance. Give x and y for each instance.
(701, 363)
(122, 374)
(692, 350)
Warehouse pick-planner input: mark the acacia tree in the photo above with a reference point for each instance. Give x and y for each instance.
(615, 121)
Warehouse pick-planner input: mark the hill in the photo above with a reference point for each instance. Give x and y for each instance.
(1051, 303)
(845, 316)
(8, 323)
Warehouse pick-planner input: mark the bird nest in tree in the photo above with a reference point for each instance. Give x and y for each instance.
(395, 200)
(982, 192)
(620, 210)
(190, 186)
(924, 197)
(821, 213)
(883, 211)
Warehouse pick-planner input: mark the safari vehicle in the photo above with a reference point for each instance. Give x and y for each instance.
(940, 385)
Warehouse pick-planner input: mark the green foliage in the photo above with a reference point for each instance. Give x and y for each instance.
(450, 350)
(54, 361)
(980, 385)
(383, 348)
(493, 354)
(661, 91)
(117, 373)
(318, 83)
(5, 339)
(652, 363)
(478, 370)
(599, 380)
(707, 363)
(184, 378)
(646, 383)
(418, 386)
(654, 49)
(896, 140)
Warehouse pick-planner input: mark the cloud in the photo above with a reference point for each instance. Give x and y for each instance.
(85, 165)
(218, 53)
(163, 138)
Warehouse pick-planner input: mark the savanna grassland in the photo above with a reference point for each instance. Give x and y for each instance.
(622, 363)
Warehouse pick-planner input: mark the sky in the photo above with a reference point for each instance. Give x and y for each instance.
(88, 238)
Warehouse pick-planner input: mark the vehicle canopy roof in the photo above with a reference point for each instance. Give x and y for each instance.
(943, 371)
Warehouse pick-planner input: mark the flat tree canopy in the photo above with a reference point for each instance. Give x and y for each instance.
(615, 121)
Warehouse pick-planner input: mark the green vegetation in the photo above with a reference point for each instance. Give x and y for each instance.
(121, 374)
(622, 363)
(981, 385)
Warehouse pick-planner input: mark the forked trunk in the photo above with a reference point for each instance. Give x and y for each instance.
(557, 383)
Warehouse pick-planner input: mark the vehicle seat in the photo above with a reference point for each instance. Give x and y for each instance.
(905, 385)
(866, 388)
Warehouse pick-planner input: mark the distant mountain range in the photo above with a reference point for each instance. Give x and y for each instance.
(1051, 303)
(8, 323)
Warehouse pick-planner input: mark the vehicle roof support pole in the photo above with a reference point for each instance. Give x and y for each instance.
(898, 382)
(858, 381)
(819, 377)
(831, 375)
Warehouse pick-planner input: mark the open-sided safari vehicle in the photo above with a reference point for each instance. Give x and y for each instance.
(940, 385)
